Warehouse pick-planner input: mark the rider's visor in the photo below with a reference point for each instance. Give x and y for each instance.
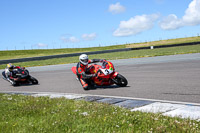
(84, 60)
(11, 68)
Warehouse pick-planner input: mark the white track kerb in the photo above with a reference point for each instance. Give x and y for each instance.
(168, 108)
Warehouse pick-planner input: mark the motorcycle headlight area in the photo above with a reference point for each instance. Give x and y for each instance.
(106, 71)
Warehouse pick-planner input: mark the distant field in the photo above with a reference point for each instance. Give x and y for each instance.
(116, 55)
(44, 52)
(164, 42)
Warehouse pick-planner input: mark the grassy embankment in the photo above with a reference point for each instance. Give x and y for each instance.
(41, 114)
(115, 55)
(45, 52)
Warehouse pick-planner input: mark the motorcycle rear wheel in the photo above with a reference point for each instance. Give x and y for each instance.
(121, 80)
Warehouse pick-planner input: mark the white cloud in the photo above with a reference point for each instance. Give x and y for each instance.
(116, 8)
(41, 45)
(171, 22)
(192, 14)
(89, 37)
(71, 39)
(136, 25)
(190, 18)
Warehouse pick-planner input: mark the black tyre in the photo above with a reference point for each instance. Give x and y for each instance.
(33, 80)
(16, 84)
(120, 80)
(86, 88)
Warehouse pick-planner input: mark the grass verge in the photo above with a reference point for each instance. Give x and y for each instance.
(45, 52)
(116, 55)
(19, 113)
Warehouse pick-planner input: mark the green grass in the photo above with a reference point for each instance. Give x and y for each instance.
(116, 55)
(165, 42)
(45, 52)
(22, 114)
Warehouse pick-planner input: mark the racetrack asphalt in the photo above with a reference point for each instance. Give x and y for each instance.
(172, 78)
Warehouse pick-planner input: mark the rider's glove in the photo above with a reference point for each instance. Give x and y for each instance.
(102, 60)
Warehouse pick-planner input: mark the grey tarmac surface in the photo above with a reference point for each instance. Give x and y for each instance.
(172, 78)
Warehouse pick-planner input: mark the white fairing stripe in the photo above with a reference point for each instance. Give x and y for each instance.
(106, 71)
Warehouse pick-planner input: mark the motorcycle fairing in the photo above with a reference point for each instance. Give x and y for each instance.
(107, 71)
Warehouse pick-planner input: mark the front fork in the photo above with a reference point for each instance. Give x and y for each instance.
(113, 77)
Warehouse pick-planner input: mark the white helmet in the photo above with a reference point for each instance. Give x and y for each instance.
(83, 59)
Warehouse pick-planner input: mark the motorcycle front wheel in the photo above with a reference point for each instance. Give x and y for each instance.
(33, 80)
(120, 80)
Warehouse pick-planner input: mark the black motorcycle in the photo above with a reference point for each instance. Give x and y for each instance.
(22, 76)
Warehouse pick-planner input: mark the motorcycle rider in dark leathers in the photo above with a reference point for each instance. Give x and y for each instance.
(9, 73)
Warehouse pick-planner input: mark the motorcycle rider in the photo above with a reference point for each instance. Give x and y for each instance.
(9, 73)
(83, 71)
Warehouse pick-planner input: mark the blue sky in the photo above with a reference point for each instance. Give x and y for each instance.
(33, 24)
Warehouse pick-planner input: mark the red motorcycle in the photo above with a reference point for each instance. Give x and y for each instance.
(106, 76)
